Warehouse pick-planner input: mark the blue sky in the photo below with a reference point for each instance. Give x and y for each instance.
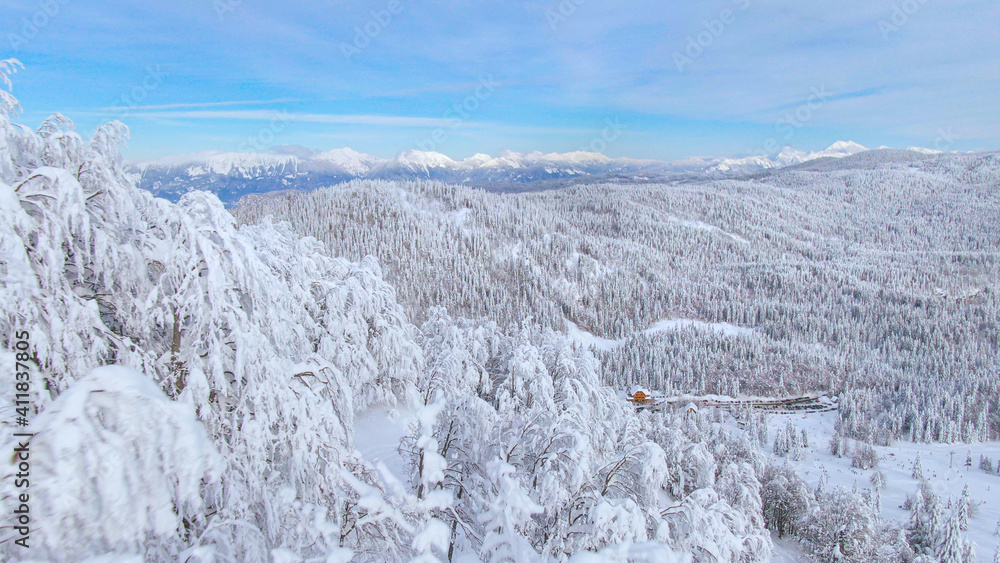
(679, 79)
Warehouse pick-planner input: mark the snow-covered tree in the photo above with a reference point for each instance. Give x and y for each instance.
(269, 341)
(510, 509)
(864, 457)
(843, 527)
(116, 466)
(786, 499)
(918, 469)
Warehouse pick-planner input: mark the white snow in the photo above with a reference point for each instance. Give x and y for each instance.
(787, 156)
(786, 550)
(943, 466)
(923, 150)
(244, 163)
(840, 149)
(350, 160)
(604, 344)
(377, 434)
(590, 340)
(477, 160)
(421, 161)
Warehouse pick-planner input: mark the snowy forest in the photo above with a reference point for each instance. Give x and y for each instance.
(873, 278)
(206, 381)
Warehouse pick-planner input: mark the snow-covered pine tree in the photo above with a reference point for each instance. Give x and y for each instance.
(951, 548)
(918, 469)
(781, 445)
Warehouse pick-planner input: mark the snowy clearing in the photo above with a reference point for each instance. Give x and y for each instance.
(588, 339)
(702, 226)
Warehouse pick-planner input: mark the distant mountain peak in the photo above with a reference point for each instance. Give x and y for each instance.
(232, 175)
(847, 146)
(787, 157)
(839, 149)
(349, 161)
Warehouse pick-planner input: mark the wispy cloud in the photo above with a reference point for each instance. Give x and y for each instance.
(326, 118)
(205, 104)
(357, 119)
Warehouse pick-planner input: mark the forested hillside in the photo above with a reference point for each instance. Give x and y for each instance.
(872, 277)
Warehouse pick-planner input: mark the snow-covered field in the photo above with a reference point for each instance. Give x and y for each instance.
(943, 467)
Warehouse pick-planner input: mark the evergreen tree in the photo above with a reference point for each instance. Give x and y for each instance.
(951, 548)
(918, 469)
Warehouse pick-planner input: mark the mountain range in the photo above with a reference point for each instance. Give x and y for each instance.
(233, 175)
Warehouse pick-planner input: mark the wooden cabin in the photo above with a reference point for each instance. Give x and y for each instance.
(639, 397)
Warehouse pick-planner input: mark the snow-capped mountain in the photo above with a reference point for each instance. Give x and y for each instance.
(787, 157)
(232, 175)
(840, 149)
(349, 161)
